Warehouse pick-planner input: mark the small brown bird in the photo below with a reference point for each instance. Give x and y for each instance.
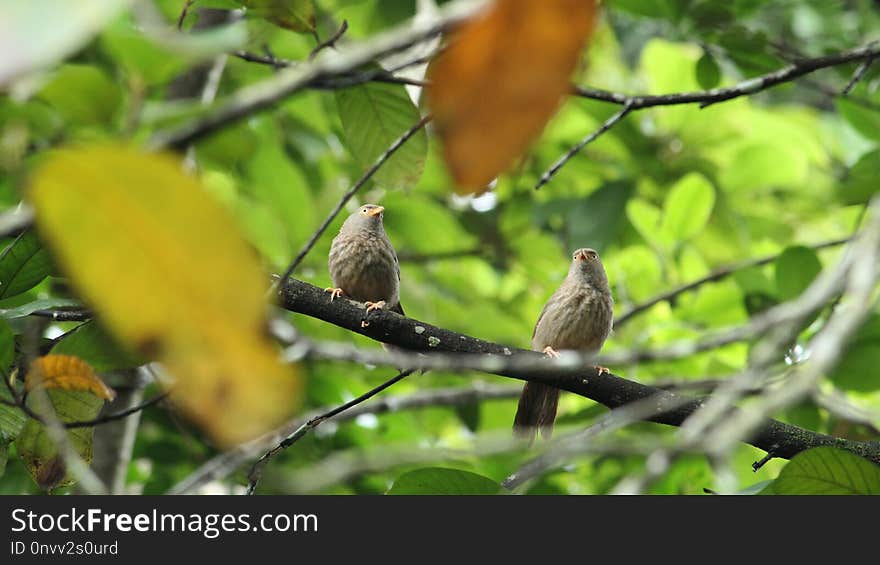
(363, 263)
(578, 316)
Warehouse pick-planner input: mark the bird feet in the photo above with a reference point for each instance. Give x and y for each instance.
(550, 352)
(371, 306)
(602, 370)
(334, 292)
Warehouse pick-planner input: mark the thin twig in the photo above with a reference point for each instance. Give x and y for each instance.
(118, 415)
(257, 470)
(225, 463)
(183, 13)
(264, 94)
(607, 125)
(330, 41)
(368, 174)
(714, 276)
(859, 74)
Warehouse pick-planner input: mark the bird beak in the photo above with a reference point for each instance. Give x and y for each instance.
(582, 256)
(376, 211)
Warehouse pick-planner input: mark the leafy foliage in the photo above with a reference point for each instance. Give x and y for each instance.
(826, 470)
(436, 480)
(667, 196)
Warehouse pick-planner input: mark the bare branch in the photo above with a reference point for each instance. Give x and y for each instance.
(747, 87)
(257, 469)
(225, 463)
(368, 174)
(264, 94)
(607, 125)
(706, 98)
(608, 389)
(715, 276)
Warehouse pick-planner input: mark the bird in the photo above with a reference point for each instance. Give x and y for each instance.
(363, 263)
(578, 316)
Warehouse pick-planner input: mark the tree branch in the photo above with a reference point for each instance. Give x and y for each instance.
(225, 463)
(264, 94)
(368, 174)
(705, 98)
(747, 87)
(257, 469)
(714, 276)
(607, 389)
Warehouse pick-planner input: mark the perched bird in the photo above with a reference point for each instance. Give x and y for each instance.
(363, 263)
(578, 316)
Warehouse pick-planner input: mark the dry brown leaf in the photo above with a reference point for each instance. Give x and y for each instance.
(66, 372)
(501, 80)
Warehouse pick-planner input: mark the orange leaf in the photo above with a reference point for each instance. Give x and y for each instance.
(501, 80)
(66, 372)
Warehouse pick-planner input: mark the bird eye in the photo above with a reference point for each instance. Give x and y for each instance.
(593, 254)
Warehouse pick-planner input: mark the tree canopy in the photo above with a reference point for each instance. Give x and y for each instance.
(172, 174)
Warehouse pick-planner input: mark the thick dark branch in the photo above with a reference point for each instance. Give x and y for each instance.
(608, 389)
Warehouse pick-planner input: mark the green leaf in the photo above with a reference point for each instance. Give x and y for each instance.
(295, 15)
(756, 167)
(866, 121)
(23, 264)
(644, 216)
(91, 343)
(594, 221)
(469, 414)
(373, 116)
(83, 95)
(41, 304)
(140, 55)
(857, 369)
(7, 347)
(796, 268)
(757, 488)
(4, 456)
(37, 449)
(438, 480)
(862, 181)
(687, 207)
(12, 419)
(278, 182)
(827, 470)
(708, 71)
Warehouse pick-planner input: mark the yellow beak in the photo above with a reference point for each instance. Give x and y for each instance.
(376, 211)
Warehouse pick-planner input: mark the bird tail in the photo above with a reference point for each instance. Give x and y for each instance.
(536, 411)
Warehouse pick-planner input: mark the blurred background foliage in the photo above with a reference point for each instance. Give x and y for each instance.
(666, 196)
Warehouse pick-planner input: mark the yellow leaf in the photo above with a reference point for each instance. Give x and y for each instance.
(66, 372)
(500, 81)
(166, 269)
